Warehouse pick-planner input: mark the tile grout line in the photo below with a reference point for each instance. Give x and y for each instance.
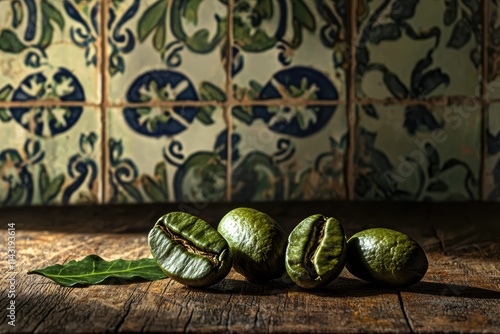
(442, 101)
(435, 102)
(351, 101)
(271, 102)
(104, 99)
(229, 99)
(484, 106)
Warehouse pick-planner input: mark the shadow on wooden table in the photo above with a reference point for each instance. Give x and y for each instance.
(344, 287)
(451, 290)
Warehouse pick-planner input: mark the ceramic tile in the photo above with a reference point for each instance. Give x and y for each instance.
(492, 163)
(416, 154)
(278, 157)
(49, 50)
(166, 51)
(418, 49)
(289, 49)
(493, 87)
(156, 157)
(61, 168)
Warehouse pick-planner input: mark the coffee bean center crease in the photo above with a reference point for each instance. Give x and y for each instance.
(189, 246)
(313, 247)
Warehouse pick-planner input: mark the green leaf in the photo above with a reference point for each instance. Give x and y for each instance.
(49, 12)
(434, 161)
(302, 14)
(4, 115)
(200, 42)
(151, 19)
(43, 179)
(9, 42)
(297, 34)
(450, 14)
(53, 189)
(132, 191)
(156, 188)
(94, 270)
(16, 195)
(160, 35)
(242, 115)
(161, 176)
(437, 186)
(204, 115)
(46, 37)
(256, 87)
(264, 8)
(210, 92)
(461, 34)
(394, 84)
(5, 92)
(191, 10)
(302, 122)
(122, 198)
(152, 189)
(49, 189)
(176, 20)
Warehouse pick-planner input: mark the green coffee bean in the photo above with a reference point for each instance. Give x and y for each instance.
(189, 250)
(316, 252)
(386, 257)
(257, 243)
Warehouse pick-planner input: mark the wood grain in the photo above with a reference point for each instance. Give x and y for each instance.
(461, 291)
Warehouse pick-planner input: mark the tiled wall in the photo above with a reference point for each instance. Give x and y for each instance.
(211, 100)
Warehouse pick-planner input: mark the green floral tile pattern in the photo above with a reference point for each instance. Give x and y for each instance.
(168, 104)
(418, 49)
(417, 154)
(493, 88)
(270, 162)
(162, 50)
(493, 159)
(36, 37)
(188, 166)
(61, 169)
(289, 49)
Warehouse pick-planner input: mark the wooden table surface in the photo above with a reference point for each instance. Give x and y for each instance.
(460, 292)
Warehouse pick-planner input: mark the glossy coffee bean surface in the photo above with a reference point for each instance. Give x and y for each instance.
(316, 251)
(189, 250)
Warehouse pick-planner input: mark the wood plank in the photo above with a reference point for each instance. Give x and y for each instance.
(232, 305)
(236, 305)
(460, 293)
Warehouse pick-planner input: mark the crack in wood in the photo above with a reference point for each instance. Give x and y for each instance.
(405, 313)
(256, 317)
(35, 329)
(128, 305)
(188, 321)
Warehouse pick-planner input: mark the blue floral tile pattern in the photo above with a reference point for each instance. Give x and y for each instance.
(418, 49)
(36, 37)
(276, 159)
(166, 50)
(493, 159)
(418, 154)
(418, 79)
(292, 50)
(64, 168)
(148, 162)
